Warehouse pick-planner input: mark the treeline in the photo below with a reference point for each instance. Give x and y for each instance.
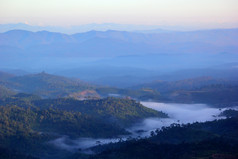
(207, 149)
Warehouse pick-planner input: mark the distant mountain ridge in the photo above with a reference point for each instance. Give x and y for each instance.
(88, 27)
(51, 48)
(167, 51)
(28, 38)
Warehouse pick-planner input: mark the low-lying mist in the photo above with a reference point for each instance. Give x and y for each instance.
(68, 144)
(185, 113)
(178, 113)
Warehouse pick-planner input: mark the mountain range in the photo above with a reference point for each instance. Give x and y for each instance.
(89, 27)
(168, 50)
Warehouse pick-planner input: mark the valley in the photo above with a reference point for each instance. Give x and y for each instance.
(119, 94)
(46, 113)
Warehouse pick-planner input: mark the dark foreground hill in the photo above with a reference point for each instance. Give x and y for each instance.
(209, 140)
(28, 123)
(31, 122)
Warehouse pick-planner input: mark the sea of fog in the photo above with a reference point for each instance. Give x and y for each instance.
(178, 113)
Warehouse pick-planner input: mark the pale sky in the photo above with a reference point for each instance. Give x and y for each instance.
(146, 12)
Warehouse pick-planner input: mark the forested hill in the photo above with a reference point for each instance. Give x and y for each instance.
(5, 92)
(120, 111)
(31, 122)
(5, 75)
(44, 84)
(194, 90)
(185, 84)
(124, 111)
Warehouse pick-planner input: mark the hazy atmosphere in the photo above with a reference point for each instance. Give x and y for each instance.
(113, 79)
(180, 13)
